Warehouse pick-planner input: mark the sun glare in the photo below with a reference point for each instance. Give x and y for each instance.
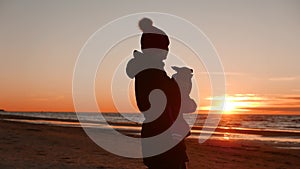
(229, 106)
(234, 104)
(238, 103)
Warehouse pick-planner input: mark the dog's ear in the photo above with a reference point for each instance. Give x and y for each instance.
(175, 68)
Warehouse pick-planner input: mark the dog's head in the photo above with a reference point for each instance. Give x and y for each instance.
(183, 71)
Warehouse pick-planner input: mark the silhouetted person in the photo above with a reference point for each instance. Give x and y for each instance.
(147, 68)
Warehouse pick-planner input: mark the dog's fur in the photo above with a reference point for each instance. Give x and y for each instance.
(183, 78)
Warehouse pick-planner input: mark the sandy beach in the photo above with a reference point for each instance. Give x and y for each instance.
(25, 145)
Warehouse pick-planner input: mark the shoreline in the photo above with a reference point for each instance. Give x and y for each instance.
(281, 137)
(25, 145)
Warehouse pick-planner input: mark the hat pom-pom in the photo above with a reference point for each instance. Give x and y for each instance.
(145, 24)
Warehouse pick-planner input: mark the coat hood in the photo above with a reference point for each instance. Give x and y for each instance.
(140, 62)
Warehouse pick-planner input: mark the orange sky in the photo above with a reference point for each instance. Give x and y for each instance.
(258, 43)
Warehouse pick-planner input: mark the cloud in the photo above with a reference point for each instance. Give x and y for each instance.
(290, 97)
(262, 103)
(290, 78)
(281, 109)
(296, 90)
(278, 103)
(223, 73)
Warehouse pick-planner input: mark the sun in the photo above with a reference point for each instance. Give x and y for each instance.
(229, 106)
(234, 104)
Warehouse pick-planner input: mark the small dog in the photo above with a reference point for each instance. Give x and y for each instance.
(183, 78)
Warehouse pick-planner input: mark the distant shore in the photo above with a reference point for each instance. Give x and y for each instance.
(25, 145)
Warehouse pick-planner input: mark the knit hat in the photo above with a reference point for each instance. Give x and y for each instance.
(152, 37)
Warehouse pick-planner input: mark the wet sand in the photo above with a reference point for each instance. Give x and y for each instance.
(25, 145)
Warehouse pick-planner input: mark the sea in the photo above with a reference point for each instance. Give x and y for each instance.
(278, 129)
